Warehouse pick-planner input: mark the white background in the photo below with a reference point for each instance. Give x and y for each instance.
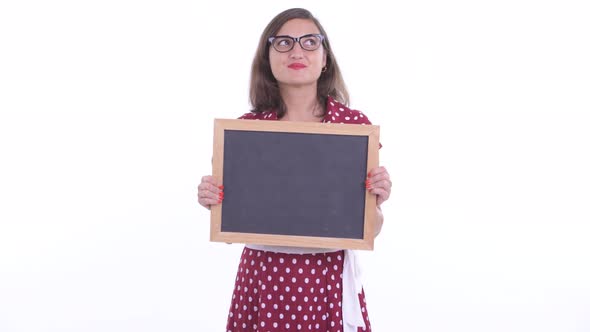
(106, 114)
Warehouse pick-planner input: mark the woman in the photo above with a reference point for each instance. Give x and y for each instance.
(295, 77)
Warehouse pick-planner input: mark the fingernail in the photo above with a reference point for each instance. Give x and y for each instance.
(219, 201)
(369, 174)
(221, 187)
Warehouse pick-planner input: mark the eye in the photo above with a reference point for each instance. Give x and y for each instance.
(283, 42)
(310, 41)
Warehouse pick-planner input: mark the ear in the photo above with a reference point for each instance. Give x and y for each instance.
(325, 59)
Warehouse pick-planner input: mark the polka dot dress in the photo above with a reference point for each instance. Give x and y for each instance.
(335, 113)
(292, 292)
(289, 292)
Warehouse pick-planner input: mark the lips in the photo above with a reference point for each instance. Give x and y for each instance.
(297, 65)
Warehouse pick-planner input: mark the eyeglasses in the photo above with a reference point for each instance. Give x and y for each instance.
(310, 42)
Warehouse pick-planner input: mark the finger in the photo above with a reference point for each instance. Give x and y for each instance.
(208, 202)
(208, 179)
(377, 171)
(382, 195)
(208, 185)
(384, 184)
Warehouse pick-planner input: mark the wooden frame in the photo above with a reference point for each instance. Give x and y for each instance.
(371, 132)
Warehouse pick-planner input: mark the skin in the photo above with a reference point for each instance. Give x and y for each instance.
(298, 90)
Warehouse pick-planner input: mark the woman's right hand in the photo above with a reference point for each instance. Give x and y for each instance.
(210, 192)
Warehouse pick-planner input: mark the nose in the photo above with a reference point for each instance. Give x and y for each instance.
(297, 51)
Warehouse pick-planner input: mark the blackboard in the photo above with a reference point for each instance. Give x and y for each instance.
(294, 183)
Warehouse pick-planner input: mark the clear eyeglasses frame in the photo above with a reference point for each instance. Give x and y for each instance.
(309, 42)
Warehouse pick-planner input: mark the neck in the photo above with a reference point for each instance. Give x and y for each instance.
(302, 104)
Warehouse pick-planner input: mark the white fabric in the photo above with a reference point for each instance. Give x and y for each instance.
(352, 285)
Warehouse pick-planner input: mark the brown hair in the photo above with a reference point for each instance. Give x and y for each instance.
(264, 88)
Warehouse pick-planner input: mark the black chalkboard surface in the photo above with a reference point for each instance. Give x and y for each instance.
(294, 183)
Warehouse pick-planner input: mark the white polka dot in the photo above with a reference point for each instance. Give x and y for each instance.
(287, 325)
(294, 280)
(294, 261)
(275, 324)
(300, 270)
(300, 289)
(356, 117)
(304, 317)
(281, 297)
(281, 316)
(319, 262)
(293, 298)
(281, 279)
(249, 317)
(275, 288)
(269, 278)
(322, 290)
(323, 317)
(312, 271)
(262, 324)
(287, 270)
(329, 287)
(287, 289)
(307, 262)
(299, 308)
(287, 307)
(269, 259)
(269, 296)
(347, 118)
(281, 260)
(341, 109)
(245, 307)
(306, 280)
(317, 281)
(244, 325)
(263, 286)
(263, 305)
(293, 316)
(305, 299)
(269, 315)
(275, 269)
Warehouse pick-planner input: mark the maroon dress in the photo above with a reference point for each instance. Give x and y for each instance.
(277, 291)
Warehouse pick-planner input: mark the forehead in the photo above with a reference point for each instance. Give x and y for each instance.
(298, 27)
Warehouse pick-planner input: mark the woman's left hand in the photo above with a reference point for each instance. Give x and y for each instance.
(379, 184)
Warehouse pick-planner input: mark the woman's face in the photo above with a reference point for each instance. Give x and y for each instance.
(297, 67)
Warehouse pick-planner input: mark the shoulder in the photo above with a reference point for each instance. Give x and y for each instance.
(337, 112)
(266, 115)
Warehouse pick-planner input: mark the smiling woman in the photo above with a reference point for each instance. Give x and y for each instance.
(295, 77)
